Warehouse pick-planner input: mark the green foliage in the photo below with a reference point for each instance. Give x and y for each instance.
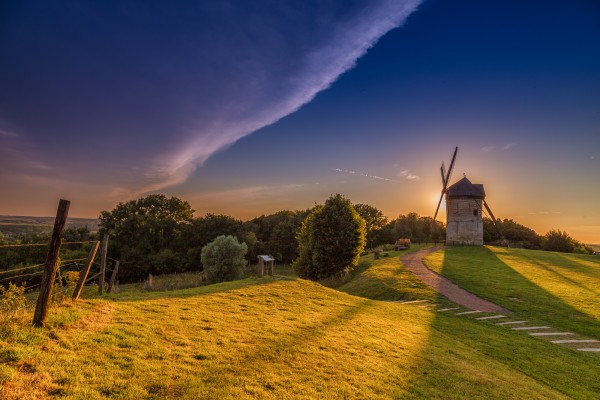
(223, 259)
(517, 235)
(13, 305)
(203, 230)
(276, 234)
(331, 239)
(142, 230)
(375, 221)
(414, 227)
(557, 240)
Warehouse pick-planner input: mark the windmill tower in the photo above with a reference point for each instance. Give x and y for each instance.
(465, 202)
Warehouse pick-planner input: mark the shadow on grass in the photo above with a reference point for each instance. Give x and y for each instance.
(480, 271)
(136, 294)
(564, 371)
(554, 270)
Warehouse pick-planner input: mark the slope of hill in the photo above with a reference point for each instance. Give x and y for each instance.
(15, 225)
(285, 338)
(560, 289)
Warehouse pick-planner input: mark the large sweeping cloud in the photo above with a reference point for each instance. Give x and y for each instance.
(148, 91)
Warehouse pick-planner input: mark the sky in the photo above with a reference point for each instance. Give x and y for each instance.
(248, 108)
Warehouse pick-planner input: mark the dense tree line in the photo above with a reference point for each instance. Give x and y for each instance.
(157, 234)
(518, 235)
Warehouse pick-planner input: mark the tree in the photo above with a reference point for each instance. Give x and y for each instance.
(142, 230)
(374, 220)
(276, 234)
(223, 259)
(203, 230)
(515, 233)
(331, 239)
(416, 228)
(557, 240)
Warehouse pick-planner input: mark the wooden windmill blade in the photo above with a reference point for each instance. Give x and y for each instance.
(493, 218)
(445, 180)
(487, 208)
(443, 171)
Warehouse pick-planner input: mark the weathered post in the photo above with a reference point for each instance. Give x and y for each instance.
(261, 267)
(113, 277)
(103, 263)
(43, 300)
(86, 270)
(148, 283)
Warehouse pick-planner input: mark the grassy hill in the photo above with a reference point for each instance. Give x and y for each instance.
(560, 289)
(288, 338)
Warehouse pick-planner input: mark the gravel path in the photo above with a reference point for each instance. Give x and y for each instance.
(414, 262)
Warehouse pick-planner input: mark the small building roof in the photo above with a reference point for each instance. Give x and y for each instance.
(464, 188)
(266, 257)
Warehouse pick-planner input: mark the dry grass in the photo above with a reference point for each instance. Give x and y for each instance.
(282, 337)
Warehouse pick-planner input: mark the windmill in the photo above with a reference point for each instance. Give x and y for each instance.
(465, 203)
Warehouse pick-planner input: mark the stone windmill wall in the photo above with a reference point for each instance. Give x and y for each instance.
(464, 220)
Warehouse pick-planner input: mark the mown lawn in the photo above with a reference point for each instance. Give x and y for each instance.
(284, 338)
(559, 289)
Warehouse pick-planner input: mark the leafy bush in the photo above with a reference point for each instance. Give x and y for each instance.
(223, 259)
(557, 240)
(331, 239)
(13, 307)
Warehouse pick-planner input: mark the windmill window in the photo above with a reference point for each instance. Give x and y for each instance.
(475, 212)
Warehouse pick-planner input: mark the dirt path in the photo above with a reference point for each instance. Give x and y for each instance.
(414, 262)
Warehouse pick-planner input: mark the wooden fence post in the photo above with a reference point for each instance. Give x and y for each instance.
(103, 263)
(86, 270)
(43, 300)
(113, 277)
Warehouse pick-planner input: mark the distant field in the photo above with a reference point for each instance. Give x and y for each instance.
(16, 225)
(287, 338)
(596, 247)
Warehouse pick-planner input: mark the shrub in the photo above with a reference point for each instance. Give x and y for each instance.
(331, 240)
(557, 240)
(223, 259)
(13, 307)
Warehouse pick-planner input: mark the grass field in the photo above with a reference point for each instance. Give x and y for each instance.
(285, 338)
(559, 289)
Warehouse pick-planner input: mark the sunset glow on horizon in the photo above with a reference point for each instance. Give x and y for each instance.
(248, 108)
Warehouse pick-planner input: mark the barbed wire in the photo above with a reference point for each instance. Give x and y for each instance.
(20, 276)
(93, 277)
(62, 263)
(73, 259)
(23, 245)
(21, 269)
(32, 286)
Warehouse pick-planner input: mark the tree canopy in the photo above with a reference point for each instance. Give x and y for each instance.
(331, 239)
(144, 232)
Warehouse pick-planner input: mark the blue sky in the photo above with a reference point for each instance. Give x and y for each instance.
(247, 108)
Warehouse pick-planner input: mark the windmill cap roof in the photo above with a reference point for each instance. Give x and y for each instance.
(464, 188)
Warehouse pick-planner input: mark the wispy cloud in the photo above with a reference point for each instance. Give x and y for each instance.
(379, 178)
(8, 134)
(405, 173)
(218, 72)
(509, 146)
(487, 149)
(276, 83)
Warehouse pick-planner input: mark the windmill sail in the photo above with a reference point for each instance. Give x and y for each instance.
(445, 180)
(443, 171)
